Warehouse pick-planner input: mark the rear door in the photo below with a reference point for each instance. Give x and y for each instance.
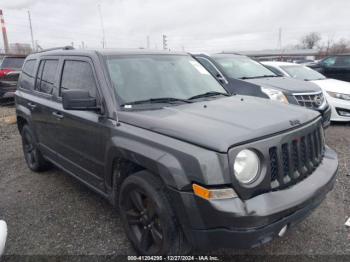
(80, 142)
(43, 105)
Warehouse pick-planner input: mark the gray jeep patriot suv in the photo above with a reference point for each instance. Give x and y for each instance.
(186, 165)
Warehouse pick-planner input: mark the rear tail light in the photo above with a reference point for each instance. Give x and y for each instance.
(4, 72)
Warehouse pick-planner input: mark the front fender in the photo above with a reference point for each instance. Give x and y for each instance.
(178, 163)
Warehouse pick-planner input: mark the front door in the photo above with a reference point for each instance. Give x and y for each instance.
(82, 135)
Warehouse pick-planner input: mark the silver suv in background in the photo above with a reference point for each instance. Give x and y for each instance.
(242, 75)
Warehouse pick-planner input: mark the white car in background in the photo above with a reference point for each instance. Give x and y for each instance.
(3, 236)
(336, 92)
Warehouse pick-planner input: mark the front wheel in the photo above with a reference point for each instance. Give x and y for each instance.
(148, 217)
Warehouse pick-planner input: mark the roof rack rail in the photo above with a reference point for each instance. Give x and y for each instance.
(67, 47)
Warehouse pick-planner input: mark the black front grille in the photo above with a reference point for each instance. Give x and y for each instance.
(312, 100)
(296, 159)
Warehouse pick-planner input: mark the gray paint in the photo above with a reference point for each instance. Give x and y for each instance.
(221, 123)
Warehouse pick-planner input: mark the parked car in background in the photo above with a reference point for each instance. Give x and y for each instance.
(186, 164)
(337, 67)
(9, 72)
(8, 86)
(3, 236)
(242, 75)
(337, 92)
(11, 63)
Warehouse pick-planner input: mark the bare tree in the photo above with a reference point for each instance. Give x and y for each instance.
(331, 47)
(310, 40)
(339, 47)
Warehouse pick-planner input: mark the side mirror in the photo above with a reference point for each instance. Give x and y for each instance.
(77, 99)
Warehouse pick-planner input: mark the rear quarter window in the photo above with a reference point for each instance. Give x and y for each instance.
(28, 73)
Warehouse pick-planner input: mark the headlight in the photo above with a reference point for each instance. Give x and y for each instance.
(246, 166)
(275, 94)
(339, 95)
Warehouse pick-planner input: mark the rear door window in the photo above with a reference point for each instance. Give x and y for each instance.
(78, 75)
(46, 76)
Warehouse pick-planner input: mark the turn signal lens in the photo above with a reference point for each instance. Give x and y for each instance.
(212, 194)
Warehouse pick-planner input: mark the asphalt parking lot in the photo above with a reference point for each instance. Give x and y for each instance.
(52, 214)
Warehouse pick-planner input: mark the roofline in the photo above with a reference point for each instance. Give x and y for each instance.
(68, 47)
(68, 50)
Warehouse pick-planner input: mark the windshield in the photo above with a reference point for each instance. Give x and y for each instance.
(144, 77)
(12, 63)
(242, 67)
(303, 73)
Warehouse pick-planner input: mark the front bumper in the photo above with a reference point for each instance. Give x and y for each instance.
(7, 91)
(337, 106)
(3, 236)
(7, 96)
(245, 224)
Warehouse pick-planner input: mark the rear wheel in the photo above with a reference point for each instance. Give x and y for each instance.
(148, 218)
(32, 155)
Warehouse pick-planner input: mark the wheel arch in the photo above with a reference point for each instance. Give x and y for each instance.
(23, 116)
(134, 156)
(21, 122)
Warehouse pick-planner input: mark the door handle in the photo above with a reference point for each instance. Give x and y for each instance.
(57, 115)
(31, 105)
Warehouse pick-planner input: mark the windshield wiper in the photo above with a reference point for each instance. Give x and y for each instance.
(252, 77)
(156, 100)
(208, 94)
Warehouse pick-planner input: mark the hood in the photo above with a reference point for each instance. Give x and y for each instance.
(221, 123)
(333, 85)
(286, 84)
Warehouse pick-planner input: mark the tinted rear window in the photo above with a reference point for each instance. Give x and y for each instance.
(12, 63)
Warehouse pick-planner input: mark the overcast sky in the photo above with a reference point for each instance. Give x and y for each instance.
(195, 25)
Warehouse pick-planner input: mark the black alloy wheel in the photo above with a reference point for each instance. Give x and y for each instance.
(143, 220)
(148, 216)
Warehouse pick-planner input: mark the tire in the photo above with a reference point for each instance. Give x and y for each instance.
(34, 159)
(148, 218)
